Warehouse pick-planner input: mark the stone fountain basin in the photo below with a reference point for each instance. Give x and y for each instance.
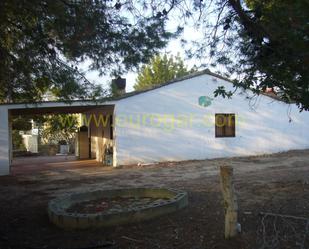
(168, 201)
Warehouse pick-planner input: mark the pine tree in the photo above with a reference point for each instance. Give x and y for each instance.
(161, 69)
(43, 42)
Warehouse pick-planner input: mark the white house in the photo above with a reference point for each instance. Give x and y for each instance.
(179, 120)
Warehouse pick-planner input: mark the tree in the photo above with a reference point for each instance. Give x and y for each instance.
(43, 42)
(17, 141)
(269, 43)
(61, 127)
(113, 91)
(263, 43)
(160, 69)
(21, 123)
(259, 43)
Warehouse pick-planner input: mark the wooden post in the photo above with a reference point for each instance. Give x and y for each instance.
(230, 201)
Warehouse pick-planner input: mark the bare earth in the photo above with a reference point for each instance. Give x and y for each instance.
(277, 183)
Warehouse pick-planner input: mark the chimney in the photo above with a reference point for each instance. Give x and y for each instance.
(270, 91)
(119, 86)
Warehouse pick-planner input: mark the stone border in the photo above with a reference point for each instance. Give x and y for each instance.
(60, 217)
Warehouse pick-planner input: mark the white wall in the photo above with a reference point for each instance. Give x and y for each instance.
(31, 143)
(263, 124)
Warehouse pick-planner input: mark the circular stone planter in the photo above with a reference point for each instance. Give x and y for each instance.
(166, 201)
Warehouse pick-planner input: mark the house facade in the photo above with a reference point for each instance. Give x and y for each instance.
(180, 120)
(183, 121)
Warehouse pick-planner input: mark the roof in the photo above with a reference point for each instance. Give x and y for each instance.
(189, 76)
(130, 94)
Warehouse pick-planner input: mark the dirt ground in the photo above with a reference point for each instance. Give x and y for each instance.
(277, 183)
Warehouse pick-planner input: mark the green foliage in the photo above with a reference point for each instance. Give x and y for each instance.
(113, 90)
(61, 127)
(17, 141)
(275, 48)
(264, 43)
(42, 42)
(161, 69)
(53, 129)
(21, 124)
(221, 91)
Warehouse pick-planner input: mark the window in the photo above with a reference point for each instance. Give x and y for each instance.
(225, 125)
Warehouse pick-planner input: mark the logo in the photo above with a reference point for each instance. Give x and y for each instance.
(204, 101)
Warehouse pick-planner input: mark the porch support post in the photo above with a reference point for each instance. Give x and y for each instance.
(5, 142)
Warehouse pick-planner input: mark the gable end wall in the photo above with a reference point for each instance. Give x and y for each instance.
(262, 126)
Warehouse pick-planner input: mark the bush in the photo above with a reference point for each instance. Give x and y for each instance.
(17, 141)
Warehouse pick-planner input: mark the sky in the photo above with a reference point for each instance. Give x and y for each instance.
(174, 47)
